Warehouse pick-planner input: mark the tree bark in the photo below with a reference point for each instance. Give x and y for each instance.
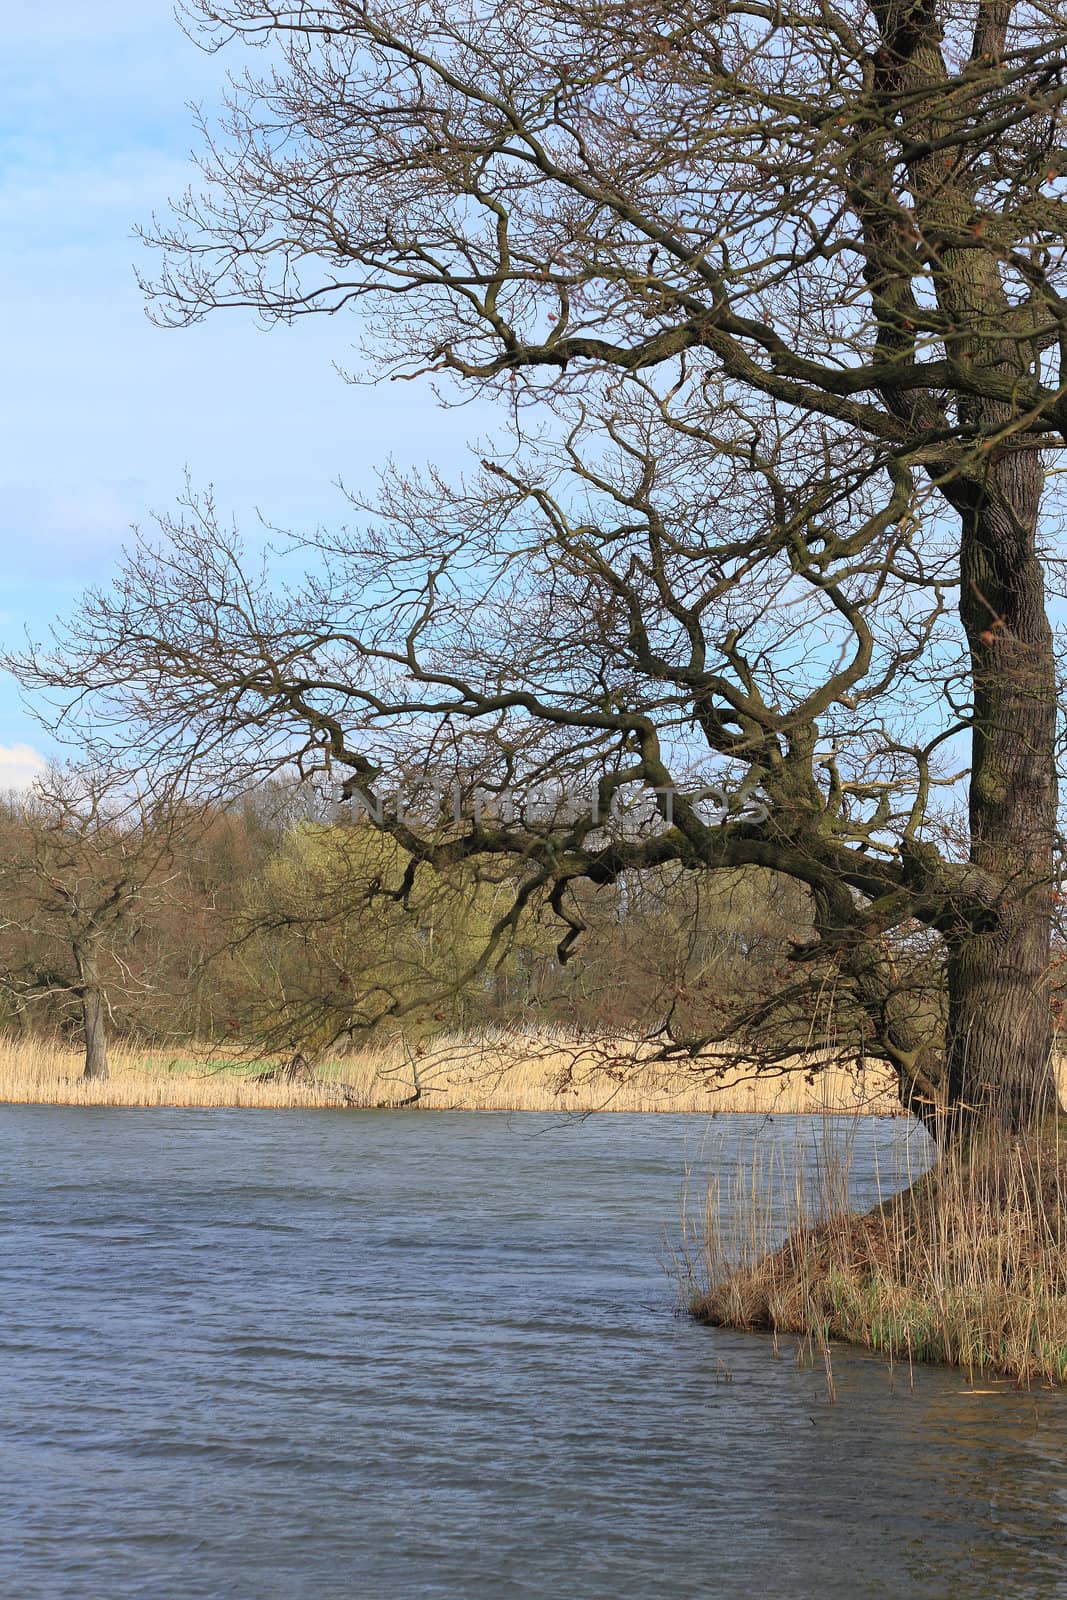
(999, 1041)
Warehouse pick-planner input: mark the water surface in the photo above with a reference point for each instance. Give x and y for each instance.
(372, 1356)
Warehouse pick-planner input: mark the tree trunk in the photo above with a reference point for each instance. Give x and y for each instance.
(93, 1015)
(999, 1041)
(95, 1035)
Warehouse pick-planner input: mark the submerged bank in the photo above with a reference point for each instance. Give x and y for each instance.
(967, 1266)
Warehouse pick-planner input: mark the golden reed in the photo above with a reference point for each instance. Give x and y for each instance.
(494, 1072)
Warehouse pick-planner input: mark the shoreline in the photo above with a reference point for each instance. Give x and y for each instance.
(967, 1266)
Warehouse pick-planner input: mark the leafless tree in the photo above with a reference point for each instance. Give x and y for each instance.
(83, 854)
(772, 302)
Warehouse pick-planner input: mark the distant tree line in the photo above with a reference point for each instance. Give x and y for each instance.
(273, 922)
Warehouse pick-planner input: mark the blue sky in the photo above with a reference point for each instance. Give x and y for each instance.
(101, 413)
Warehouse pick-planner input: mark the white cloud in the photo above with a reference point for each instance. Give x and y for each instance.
(19, 765)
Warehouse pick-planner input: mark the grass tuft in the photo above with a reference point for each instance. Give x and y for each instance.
(966, 1266)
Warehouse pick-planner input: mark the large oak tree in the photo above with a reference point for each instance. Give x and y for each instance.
(770, 298)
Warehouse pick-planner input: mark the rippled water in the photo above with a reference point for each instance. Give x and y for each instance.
(257, 1355)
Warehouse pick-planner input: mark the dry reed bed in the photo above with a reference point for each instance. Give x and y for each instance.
(531, 1072)
(966, 1266)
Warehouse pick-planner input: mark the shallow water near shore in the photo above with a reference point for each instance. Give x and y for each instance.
(327, 1356)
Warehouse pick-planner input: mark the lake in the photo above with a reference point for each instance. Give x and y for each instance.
(437, 1356)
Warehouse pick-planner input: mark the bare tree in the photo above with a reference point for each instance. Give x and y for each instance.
(772, 301)
(83, 854)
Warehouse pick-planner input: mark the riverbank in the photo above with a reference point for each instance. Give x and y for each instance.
(515, 1072)
(967, 1266)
